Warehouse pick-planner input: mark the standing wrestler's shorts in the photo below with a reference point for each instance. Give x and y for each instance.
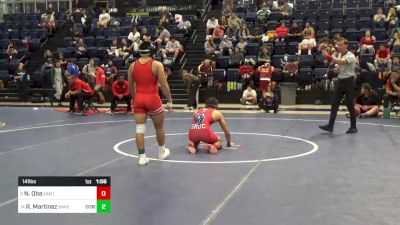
(147, 104)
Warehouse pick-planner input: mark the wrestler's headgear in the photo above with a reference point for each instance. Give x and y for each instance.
(212, 103)
(146, 48)
(73, 69)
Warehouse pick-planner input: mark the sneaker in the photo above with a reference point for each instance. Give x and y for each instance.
(352, 130)
(164, 154)
(143, 160)
(327, 128)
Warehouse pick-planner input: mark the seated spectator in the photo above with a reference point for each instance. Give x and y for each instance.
(57, 80)
(21, 79)
(144, 32)
(173, 46)
(286, 10)
(265, 72)
(269, 101)
(395, 67)
(237, 58)
(242, 45)
(48, 21)
(367, 103)
(268, 36)
(164, 36)
(234, 24)
(134, 34)
(249, 96)
(264, 56)
(104, 19)
(379, 19)
(309, 30)
(291, 68)
(120, 92)
(205, 72)
(246, 73)
(307, 44)
(225, 47)
(125, 51)
(11, 51)
(164, 21)
(392, 89)
(227, 12)
(165, 13)
(81, 49)
(281, 32)
(367, 43)
(113, 49)
(89, 73)
(184, 26)
(212, 56)
(79, 91)
(218, 32)
(391, 19)
(77, 19)
(382, 59)
(262, 14)
(394, 43)
(75, 38)
(100, 87)
(211, 25)
(224, 24)
(295, 34)
(244, 32)
(134, 49)
(110, 71)
(210, 45)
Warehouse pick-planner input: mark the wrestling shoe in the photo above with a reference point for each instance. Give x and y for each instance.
(143, 160)
(164, 154)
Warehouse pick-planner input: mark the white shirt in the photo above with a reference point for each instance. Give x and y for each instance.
(212, 24)
(309, 42)
(133, 36)
(251, 93)
(104, 16)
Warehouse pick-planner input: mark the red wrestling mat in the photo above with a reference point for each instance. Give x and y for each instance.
(88, 113)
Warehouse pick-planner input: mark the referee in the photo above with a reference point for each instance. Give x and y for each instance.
(345, 85)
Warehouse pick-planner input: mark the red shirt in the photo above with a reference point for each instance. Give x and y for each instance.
(100, 77)
(383, 53)
(282, 31)
(218, 32)
(389, 84)
(82, 86)
(146, 81)
(120, 89)
(266, 72)
(365, 41)
(246, 71)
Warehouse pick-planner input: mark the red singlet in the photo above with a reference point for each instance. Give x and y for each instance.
(265, 77)
(200, 129)
(147, 100)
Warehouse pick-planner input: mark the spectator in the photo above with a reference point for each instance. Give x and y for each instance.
(264, 56)
(165, 13)
(125, 50)
(269, 101)
(89, 73)
(224, 24)
(225, 47)
(206, 73)
(367, 103)
(392, 19)
(394, 43)
(48, 61)
(57, 79)
(291, 68)
(265, 72)
(211, 25)
(281, 32)
(295, 33)
(79, 91)
(110, 71)
(104, 19)
(135, 47)
(192, 83)
(77, 19)
(120, 93)
(212, 56)
(367, 43)
(382, 59)
(286, 10)
(244, 32)
(22, 78)
(184, 26)
(218, 32)
(234, 24)
(75, 38)
(11, 51)
(144, 32)
(227, 12)
(307, 44)
(242, 45)
(113, 49)
(81, 49)
(392, 89)
(246, 73)
(309, 30)
(237, 58)
(100, 86)
(262, 14)
(267, 36)
(379, 19)
(134, 34)
(209, 45)
(164, 21)
(63, 60)
(164, 36)
(48, 21)
(173, 46)
(249, 96)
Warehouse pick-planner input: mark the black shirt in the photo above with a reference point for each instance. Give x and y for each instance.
(77, 17)
(371, 100)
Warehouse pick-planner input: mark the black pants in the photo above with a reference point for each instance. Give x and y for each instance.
(192, 94)
(115, 99)
(389, 98)
(80, 98)
(344, 87)
(22, 86)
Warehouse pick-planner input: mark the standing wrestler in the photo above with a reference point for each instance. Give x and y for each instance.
(200, 129)
(144, 76)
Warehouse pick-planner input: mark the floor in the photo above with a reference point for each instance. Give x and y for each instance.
(282, 171)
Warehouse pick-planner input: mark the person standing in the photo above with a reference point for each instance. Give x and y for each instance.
(192, 83)
(345, 85)
(57, 79)
(144, 75)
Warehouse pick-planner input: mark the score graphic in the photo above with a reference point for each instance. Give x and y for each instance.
(64, 194)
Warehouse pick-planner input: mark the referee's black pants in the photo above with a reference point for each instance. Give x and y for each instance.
(345, 87)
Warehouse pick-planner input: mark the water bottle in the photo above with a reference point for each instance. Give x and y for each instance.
(386, 111)
(228, 86)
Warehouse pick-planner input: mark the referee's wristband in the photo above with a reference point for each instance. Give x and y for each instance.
(329, 57)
